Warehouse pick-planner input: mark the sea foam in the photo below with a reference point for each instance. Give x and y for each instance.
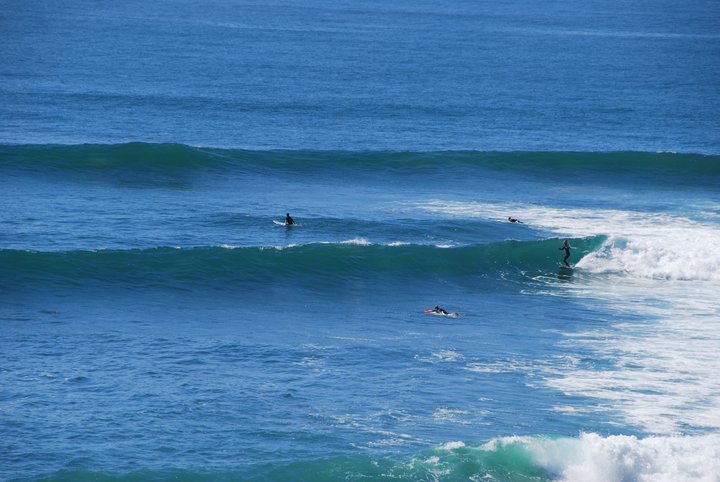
(643, 245)
(594, 458)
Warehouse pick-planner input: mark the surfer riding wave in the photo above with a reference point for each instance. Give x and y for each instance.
(565, 247)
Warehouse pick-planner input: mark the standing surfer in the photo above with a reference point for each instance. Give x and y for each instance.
(566, 247)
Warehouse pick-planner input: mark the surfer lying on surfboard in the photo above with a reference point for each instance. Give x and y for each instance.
(437, 309)
(513, 220)
(441, 312)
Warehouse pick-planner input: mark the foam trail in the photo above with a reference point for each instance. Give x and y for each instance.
(660, 374)
(663, 375)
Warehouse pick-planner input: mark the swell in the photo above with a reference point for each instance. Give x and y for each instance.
(318, 262)
(177, 158)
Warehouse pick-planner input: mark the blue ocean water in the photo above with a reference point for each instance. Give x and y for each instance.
(156, 324)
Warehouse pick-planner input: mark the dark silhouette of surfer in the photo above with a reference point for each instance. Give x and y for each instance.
(565, 247)
(288, 220)
(513, 220)
(437, 309)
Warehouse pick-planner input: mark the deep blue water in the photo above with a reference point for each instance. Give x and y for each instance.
(155, 324)
(585, 76)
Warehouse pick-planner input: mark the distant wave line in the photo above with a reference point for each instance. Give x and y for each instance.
(180, 158)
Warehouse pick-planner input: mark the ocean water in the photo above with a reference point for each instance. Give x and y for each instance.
(157, 325)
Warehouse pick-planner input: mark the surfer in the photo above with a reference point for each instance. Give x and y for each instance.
(288, 220)
(437, 309)
(565, 247)
(513, 220)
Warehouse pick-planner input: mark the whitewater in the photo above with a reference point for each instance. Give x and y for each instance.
(158, 323)
(312, 338)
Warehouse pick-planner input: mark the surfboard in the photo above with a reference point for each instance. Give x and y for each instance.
(564, 272)
(429, 311)
(281, 223)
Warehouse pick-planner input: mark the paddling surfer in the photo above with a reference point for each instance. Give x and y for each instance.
(437, 309)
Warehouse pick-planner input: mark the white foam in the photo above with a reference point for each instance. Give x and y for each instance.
(683, 254)
(392, 441)
(656, 363)
(448, 355)
(655, 360)
(442, 356)
(445, 414)
(452, 445)
(506, 366)
(644, 245)
(360, 241)
(291, 245)
(660, 375)
(357, 241)
(276, 248)
(593, 458)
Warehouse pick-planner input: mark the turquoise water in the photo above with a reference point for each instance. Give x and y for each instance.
(156, 324)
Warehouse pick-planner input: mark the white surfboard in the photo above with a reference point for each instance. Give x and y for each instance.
(432, 312)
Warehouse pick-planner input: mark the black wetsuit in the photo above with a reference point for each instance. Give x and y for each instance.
(289, 220)
(566, 247)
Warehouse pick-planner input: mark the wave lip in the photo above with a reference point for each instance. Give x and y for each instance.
(593, 458)
(658, 259)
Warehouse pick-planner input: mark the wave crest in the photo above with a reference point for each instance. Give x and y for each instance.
(641, 167)
(317, 262)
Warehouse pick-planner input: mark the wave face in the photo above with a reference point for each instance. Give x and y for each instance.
(588, 458)
(318, 262)
(682, 169)
(650, 245)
